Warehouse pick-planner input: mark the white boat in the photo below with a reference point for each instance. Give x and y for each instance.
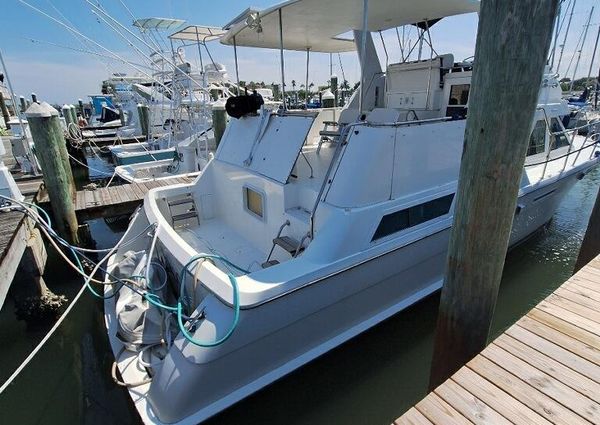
(187, 160)
(295, 239)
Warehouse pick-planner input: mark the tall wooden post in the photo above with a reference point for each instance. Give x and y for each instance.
(511, 52)
(144, 115)
(122, 116)
(219, 121)
(4, 109)
(590, 246)
(34, 98)
(52, 151)
(66, 111)
(73, 113)
(23, 104)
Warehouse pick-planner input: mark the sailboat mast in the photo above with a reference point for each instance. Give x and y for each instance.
(587, 26)
(594, 54)
(562, 47)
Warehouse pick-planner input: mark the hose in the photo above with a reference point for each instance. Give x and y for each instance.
(236, 301)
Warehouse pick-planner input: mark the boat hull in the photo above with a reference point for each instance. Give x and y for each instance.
(280, 335)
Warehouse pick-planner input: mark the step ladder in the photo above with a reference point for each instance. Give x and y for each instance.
(183, 211)
(289, 244)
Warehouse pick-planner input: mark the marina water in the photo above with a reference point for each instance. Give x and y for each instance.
(372, 379)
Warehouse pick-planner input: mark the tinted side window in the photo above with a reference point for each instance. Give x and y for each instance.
(413, 216)
(537, 139)
(558, 140)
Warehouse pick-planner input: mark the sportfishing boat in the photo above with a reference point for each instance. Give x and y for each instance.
(302, 233)
(188, 159)
(188, 106)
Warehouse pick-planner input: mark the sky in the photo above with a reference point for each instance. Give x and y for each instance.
(60, 75)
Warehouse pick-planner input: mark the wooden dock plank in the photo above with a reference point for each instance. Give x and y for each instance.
(556, 345)
(566, 327)
(439, 412)
(562, 373)
(543, 369)
(545, 383)
(503, 402)
(525, 393)
(469, 405)
(558, 310)
(412, 417)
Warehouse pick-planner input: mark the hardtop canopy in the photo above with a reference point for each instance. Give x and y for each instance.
(198, 33)
(319, 25)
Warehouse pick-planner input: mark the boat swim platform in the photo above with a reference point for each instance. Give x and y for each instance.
(544, 369)
(113, 201)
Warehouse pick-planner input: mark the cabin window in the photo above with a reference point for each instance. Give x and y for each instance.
(457, 103)
(559, 139)
(537, 140)
(254, 202)
(413, 216)
(459, 95)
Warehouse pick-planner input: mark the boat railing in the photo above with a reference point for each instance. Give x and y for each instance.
(591, 140)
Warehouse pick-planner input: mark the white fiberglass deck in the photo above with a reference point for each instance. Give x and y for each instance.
(215, 237)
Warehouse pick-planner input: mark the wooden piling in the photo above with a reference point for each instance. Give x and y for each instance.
(334, 89)
(144, 114)
(590, 246)
(219, 121)
(66, 111)
(73, 114)
(23, 104)
(511, 52)
(58, 178)
(81, 111)
(34, 98)
(122, 116)
(5, 113)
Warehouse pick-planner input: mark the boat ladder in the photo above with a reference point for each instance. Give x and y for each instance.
(183, 211)
(289, 244)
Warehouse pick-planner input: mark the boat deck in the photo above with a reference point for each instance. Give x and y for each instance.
(544, 369)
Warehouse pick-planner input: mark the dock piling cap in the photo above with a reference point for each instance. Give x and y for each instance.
(43, 110)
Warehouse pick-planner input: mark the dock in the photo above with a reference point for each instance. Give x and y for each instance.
(16, 235)
(114, 200)
(544, 369)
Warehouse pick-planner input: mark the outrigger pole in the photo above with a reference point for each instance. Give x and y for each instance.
(282, 62)
(363, 54)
